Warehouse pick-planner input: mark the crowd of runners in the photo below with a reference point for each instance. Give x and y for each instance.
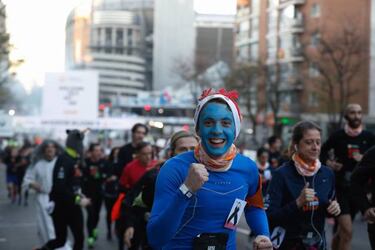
(161, 198)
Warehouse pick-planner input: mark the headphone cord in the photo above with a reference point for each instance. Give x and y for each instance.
(312, 214)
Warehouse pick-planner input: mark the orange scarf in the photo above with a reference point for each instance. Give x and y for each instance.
(219, 165)
(303, 168)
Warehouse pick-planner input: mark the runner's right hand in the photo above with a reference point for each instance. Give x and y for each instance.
(196, 177)
(262, 242)
(307, 194)
(36, 186)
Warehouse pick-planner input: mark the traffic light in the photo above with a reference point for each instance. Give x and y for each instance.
(147, 108)
(288, 121)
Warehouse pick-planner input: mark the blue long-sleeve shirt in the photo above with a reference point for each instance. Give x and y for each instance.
(176, 220)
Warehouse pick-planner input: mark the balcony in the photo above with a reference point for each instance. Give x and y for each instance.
(285, 3)
(293, 54)
(293, 25)
(296, 23)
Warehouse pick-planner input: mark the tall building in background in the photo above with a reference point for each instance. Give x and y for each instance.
(113, 38)
(285, 37)
(77, 43)
(174, 40)
(214, 40)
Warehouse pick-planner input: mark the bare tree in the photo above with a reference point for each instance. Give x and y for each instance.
(185, 69)
(271, 78)
(5, 64)
(337, 60)
(4, 51)
(193, 72)
(244, 79)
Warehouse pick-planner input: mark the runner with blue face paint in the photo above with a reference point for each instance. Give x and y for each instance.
(200, 195)
(216, 128)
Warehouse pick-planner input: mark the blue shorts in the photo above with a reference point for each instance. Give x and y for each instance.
(12, 178)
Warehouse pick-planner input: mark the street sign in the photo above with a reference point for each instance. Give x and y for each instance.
(71, 95)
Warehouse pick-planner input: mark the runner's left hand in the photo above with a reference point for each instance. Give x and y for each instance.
(334, 208)
(85, 202)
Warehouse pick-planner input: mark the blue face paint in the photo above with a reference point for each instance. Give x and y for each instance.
(216, 129)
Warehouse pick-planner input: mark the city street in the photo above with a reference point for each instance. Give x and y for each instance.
(107, 91)
(18, 227)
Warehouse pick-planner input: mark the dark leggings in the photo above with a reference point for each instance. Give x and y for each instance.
(93, 213)
(109, 202)
(120, 230)
(371, 235)
(65, 216)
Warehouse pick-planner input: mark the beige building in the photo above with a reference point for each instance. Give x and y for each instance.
(112, 38)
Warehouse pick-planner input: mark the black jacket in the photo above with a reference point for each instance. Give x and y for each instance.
(139, 199)
(66, 179)
(342, 147)
(285, 187)
(364, 174)
(125, 155)
(93, 176)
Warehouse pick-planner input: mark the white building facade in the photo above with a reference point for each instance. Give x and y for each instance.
(174, 40)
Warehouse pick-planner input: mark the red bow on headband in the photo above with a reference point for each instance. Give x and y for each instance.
(232, 94)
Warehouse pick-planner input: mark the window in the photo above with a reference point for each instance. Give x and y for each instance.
(243, 30)
(286, 99)
(130, 33)
(315, 10)
(243, 53)
(290, 16)
(313, 70)
(98, 36)
(313, 99)
(130, 42)
(271, 75)
(272, 22)
(288, 73)
(254, 27)
(254, 51)
(244, 26)
(271, 47)
(255, 7)
(108, 40)
(271, 4)
(289, 45)
(119, 41)
(315, 39)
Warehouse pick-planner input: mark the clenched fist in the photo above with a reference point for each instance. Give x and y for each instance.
(196, 177)
(307, 194)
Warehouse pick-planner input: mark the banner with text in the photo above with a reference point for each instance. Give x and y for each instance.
(71, 95)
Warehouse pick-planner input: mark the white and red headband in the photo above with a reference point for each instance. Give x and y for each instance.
(228, 97)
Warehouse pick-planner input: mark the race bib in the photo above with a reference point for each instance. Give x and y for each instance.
(235, 214)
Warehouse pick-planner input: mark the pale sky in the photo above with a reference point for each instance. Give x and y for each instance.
(37, 32)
